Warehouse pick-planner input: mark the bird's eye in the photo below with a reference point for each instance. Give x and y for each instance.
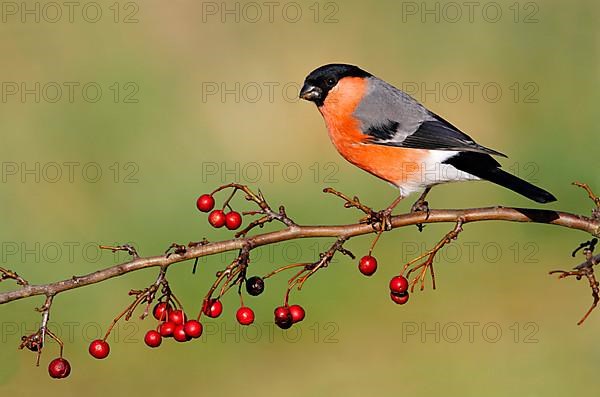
(331, 82)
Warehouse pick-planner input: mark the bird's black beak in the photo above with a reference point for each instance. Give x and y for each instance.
(310, 92)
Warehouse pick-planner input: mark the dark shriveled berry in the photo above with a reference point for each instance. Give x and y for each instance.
(33, 342)
(255, 285)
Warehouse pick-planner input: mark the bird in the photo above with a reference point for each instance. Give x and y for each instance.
(389, 134)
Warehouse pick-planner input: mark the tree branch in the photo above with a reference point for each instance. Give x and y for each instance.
(292, 232)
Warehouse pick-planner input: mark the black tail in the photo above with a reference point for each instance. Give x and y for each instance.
(485, 167)
(509, 181)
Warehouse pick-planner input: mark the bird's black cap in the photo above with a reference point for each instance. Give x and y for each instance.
(321, 80)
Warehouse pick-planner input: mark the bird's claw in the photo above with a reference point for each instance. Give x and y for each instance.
(379, 220)
(420, 206)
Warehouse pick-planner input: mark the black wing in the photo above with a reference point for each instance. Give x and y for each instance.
(433, 134)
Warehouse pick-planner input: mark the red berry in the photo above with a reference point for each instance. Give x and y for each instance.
(99, 349)
(399, 298)
(59, 368)
(233, 220)
(398, 284)
(245, 315)
(214, 308)
(367, 265)
(193, 328)
(205, 203)
(177, 317)
(216, 218)
(166, 329)
(283, 317)
(179, 334)
(161, 311)
(153, 338)
(297, 313)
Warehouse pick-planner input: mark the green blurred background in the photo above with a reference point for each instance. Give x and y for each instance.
(164, 131)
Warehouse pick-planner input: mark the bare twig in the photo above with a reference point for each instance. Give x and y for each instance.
(309, 269)
(264, 208)
(593, 197)
(585, 269)
(236, 272)
(130, 249)
(43, 331)
(6, 274)
(589, 191)
(351, 202)
(379, 220)
(147, 295)
(427, 264)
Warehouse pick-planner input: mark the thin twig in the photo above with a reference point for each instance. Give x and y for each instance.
(427, 264)
(585, 269)
(6, 274)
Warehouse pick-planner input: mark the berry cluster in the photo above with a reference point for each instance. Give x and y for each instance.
(172, 321)
(398, 285)
(213, 309)
(286, 316)
(218, 218)
(399, 289)
(59, 367)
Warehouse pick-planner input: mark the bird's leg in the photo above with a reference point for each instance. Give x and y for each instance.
(421, 206)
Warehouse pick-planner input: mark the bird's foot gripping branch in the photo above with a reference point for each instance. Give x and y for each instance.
(170, 318)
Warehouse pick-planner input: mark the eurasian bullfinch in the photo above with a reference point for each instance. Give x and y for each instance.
(387, 133)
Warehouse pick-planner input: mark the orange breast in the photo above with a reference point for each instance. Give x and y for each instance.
(392, 164)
